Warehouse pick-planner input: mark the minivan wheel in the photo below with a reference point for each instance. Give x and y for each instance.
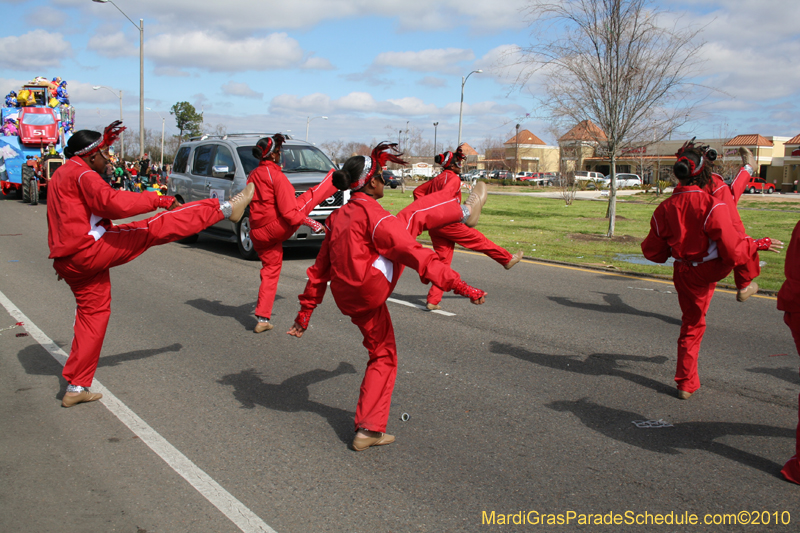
(245, 243)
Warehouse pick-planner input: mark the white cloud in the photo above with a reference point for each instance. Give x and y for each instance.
(242, 17)
(217, 53)
(317, 63)
(113, 46)
(241, 89)
(433, 60)
(37, 49)
(362, 103)
(171, 72)
(433, 82)
(47, 17)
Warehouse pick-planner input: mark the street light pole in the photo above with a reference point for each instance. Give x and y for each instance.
(139, 27)
(435, 127)
(121, 135)
(461, 109)
(308, 121)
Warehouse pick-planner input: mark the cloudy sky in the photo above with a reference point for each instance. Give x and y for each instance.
(370, 66)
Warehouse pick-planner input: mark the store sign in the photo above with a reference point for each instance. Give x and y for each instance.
(641, 150)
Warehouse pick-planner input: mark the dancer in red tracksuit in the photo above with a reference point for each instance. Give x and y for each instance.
(789, 303)
(747, 262)
(445, 238)
(363, 256)
(275, 214)
(695, 228)
(84, 244)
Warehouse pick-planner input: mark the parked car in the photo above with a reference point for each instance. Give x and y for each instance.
(390, 179)
(585, 175)
(624, 180)
(525, 176)
(759, 184)
(551, 178)
(502, 175)
(218, 166)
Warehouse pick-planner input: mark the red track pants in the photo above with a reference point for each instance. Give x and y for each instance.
(268, 244)
(695, 286)
(86, 273)
(791, 470)
(375, 398)
(444, 240)
(745, 273)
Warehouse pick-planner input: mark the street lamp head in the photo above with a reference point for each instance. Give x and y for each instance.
(96, 87)
(478, 71)
(325, 118)
(100, 1)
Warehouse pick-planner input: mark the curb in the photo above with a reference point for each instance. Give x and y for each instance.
(615, 270)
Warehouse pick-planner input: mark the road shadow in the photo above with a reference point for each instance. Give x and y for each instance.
(292, 395)
(615, 305)
(617, 424)
(114, 360)
(789, 375)
(596, 364)
(36, 361)
(242, 313)
(292, 250)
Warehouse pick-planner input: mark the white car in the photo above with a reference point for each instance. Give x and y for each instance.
(625, 180)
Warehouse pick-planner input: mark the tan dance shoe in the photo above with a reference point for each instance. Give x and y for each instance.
(82, 397)
(362, 443)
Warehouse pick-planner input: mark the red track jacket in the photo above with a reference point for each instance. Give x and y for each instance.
(722, 192)
(446, 181)
(691, 226)
(789, 295)
(274, 197)
(81, 205)
(363, 255)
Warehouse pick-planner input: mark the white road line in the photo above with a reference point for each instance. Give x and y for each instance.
(244, 518)
(409, 304)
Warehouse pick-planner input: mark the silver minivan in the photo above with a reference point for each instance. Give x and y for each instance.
(217, 167)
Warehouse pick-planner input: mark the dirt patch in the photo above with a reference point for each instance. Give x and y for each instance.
(590, 237)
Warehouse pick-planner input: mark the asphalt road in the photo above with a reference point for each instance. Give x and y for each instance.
(523, 405)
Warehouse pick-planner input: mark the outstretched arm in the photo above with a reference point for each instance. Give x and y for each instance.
(107, 202)
(319, 274)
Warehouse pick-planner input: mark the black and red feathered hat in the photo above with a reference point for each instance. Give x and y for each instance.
(109, 137)
(448, 158)
(381, 154)
(702, 151)
(273, 143)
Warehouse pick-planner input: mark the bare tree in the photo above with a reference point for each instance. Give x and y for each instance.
(494, 150)
(613, 63)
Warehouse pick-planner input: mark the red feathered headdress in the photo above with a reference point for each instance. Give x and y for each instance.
(110, 136)
(381, 154)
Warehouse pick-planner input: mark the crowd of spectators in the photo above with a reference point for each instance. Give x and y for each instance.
(136, 176)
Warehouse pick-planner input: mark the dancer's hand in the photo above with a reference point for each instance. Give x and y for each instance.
(480, 300)
(296, 330)
(175, 205)
(776, 246)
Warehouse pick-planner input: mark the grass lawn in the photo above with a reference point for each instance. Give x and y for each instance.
(547, 229)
